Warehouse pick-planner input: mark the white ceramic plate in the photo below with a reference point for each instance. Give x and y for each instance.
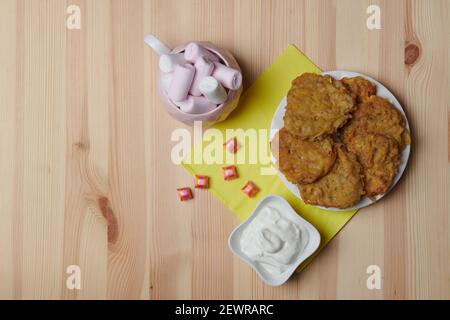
(289, 213)
(382, 91)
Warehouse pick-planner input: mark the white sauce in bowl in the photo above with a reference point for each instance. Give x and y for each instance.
(273, 241)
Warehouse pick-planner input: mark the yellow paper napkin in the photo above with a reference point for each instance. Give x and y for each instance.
(255, 111)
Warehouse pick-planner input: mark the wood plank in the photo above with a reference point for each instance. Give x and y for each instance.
(40, 150)
(9, 188)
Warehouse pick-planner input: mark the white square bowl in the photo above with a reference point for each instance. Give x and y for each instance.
(289, 213)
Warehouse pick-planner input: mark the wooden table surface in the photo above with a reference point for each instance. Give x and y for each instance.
(86, 176)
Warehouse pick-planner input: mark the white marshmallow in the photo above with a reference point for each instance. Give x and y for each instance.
(157, 45)
(167, 62)
(196, 105)
(213, 90)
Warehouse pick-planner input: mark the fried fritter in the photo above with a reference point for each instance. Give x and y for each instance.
(377, 115)
(341, 188)
(302, 161)
(316, 106)
(379, 156)
(359, 88)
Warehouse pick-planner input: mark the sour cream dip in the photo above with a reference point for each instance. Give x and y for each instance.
(273, 240)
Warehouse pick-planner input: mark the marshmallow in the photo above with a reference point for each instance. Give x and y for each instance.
(196, 105)
(166, 80)
(181, 82)
(157, 45)
(213, 90)
(193, 51)
(167, 62)
(230, 78)
(203, 68)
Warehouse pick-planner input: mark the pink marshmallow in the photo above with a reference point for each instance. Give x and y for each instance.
(194, 51)
(203, 68)
(230, 78)
(196, 105)
(181, 82)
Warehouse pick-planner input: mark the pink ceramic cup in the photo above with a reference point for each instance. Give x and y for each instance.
(218, 114)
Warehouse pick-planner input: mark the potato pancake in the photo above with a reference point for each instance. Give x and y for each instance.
(378, 116)
(302, 161)
(341, 188)
(316, 106)
(359, 88)
(379, 156)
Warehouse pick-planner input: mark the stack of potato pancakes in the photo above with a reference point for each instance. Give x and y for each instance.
(340, 140)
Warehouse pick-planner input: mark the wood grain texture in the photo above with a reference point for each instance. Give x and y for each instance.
(85, 149)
